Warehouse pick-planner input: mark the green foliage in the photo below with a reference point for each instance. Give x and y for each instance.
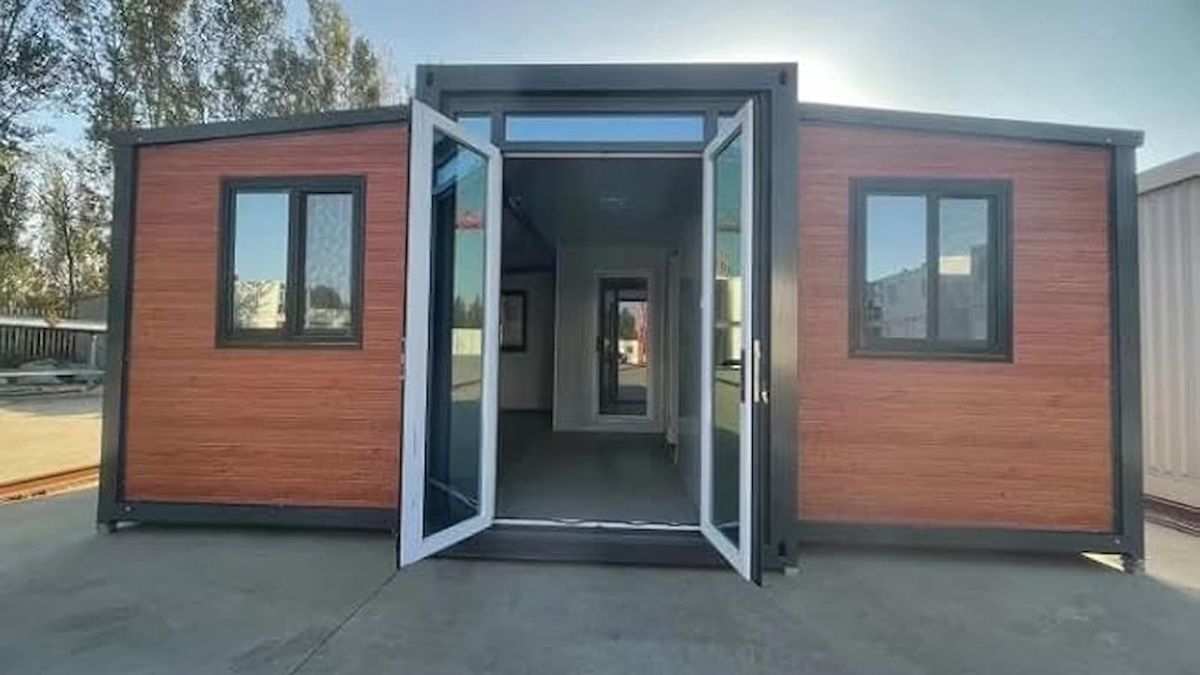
(134, 63)
(28, 67)
(73, 227)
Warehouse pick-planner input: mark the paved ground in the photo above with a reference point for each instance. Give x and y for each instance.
(44, 434)
(190, 600)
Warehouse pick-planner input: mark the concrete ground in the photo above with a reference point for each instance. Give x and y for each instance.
(47, 433)
(194, 600)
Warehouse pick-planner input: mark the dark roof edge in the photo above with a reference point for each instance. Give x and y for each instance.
(971, 126)
(263, 126)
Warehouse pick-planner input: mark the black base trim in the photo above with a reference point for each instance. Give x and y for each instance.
(256, 514)
(569, 544)
(977, 538)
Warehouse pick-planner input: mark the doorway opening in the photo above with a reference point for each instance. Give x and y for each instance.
(600, 401)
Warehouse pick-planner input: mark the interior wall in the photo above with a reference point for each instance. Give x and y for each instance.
(576, 379)
(527, 377)
(687, 356)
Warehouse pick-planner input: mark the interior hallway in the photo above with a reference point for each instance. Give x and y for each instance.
(586, 475)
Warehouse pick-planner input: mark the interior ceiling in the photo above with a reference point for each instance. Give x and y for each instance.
(596, 201)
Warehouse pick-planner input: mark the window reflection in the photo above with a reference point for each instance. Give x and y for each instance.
(896, 270)
(963, 269)
(328, 265)
(728, 358)
(454, 437)
(260, 255)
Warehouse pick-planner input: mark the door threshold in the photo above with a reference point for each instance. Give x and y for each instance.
(581, 523)
(595, 542)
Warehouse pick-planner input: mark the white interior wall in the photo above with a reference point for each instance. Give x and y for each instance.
(527, 378)
(576, 377)
(687, 355)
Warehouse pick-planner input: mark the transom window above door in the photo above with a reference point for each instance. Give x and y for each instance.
(930, 268)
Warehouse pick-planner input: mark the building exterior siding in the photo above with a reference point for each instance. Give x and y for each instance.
(1022, 445)
(296, 426)
(1169, 222)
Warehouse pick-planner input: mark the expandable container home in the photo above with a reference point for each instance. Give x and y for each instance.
(1169, 222)
(640, 313)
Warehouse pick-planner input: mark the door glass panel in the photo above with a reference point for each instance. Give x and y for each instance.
(454, 432)
(728, 356)
(624, 346)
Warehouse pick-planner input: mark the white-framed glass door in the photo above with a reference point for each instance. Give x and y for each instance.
(730, 361)
(452, 336)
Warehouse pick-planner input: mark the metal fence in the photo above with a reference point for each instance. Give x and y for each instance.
(25, 336)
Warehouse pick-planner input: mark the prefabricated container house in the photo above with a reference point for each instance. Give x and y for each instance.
(637, 313)
(1169, 222)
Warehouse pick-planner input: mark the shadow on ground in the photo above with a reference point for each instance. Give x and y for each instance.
(260, 601)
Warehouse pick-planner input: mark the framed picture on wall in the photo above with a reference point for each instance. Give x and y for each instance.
(512, 321)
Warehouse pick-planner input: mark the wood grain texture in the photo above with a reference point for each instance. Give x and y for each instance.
(297, 426)
(1025, 444)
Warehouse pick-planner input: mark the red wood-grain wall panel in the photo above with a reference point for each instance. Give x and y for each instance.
(1026, 444)
(298, 426)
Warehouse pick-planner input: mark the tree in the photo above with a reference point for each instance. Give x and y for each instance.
(136, 63)
(73, 222)
(327, 68)
(18, 276)
(28, 67)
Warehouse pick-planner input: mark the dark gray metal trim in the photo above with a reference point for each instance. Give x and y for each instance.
(259, 127)
(256, 514)
(969, 126)
(979, 538)
(568, 544)
(1126, 354)
(120, 299)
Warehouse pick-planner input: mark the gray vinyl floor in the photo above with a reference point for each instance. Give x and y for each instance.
(586, 475)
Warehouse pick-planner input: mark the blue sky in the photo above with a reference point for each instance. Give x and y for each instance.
(1100, 62)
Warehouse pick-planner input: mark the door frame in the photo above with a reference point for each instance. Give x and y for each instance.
(415, 545)
(713, 90)
(742, 556)
(615, 419)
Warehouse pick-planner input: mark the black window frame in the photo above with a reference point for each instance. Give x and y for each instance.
(292, 333)
(998, 345)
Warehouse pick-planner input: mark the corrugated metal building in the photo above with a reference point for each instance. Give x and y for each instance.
(1169, 214)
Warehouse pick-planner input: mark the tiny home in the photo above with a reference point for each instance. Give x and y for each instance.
(636, 313)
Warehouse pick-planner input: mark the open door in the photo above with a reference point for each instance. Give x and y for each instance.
(728, 517)
(452, 337)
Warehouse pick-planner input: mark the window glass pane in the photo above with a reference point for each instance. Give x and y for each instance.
(624, 338)
(479, 125)
(328, 262)
(963, 269)
(454, 438)
(260, 254)
(896, 275)
(604, 128)
(727, 339)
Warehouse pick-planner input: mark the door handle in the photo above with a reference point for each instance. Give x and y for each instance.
(759, 395)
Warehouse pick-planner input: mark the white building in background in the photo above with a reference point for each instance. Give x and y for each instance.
(1169, 222)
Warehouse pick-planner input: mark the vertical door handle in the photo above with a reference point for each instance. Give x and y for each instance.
(760, 394)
